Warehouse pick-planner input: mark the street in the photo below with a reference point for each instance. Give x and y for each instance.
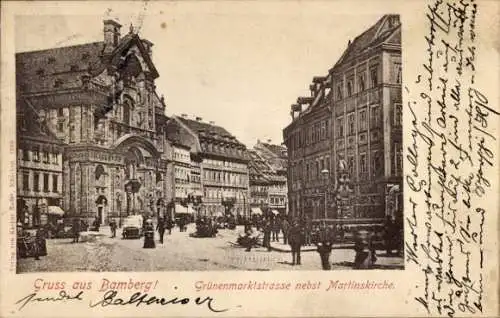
(180, 252)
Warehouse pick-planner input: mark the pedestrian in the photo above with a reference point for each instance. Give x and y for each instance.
(275, 229)
(266, 228)
(160, 227)
(247, 225)
(169, 225)
(324, 245)
(285, 226)
(112, 226)
(96, 225)
(389, 235)
(308, 230)
(149, 234)
(296, 239)
(76, 230)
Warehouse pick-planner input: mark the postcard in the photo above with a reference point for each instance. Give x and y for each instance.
(248, 159)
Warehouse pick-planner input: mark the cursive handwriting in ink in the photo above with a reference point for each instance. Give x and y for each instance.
(112, 298)
(61, 297)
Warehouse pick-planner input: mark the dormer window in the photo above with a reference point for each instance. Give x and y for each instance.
(51, 60)
(85, 56)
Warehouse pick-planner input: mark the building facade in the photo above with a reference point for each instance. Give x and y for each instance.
(268, 183)
(345, 140)
(219, 165)
(39, 174)
(100, 100)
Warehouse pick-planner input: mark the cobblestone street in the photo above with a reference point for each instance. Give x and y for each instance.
(180, 252)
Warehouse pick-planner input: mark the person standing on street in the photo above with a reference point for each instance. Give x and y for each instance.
(296, 239)
(324, 245)
(285, 226)
(276, 229)
(149, 234)
(267, 234)
(160, 227)
(169, 225)
(112, 226)
(76, 230)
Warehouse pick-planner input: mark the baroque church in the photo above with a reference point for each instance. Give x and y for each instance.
(99, 99)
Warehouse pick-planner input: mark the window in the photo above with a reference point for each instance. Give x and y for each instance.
(376, 164)
(398, 73)
(58, 83)
(36, 154)
(26, 181)
(397, 165)
(36, 182)
(362, 163)
(323, 130)
(46, 157)
(340, 127)
(60, 112)
(72, 134)
(60, 127)
(349, 88)
(45, 182)
(351, 165)
(327, 132)
(361, 82)
(54, 183)
(350, 123)
(374, 77)
(26, 156)
(362, 119)
(339, 91)
(398, 115)
(375, 116)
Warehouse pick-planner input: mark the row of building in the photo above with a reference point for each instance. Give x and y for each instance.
(345, 139)
(94, 141)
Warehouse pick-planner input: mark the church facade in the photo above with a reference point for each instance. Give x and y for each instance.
(99, 99)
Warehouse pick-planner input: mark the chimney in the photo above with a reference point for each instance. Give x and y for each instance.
(349, 43)
(111, 32)
(199, 119)
(212, 122)
(184, 115)
(269, 141)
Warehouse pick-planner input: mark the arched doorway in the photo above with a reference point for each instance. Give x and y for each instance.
(101, 203)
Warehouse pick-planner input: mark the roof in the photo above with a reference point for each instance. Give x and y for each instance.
(62, 67)
(38, 70)
(203, 127)
(376, 34)
(31, 126)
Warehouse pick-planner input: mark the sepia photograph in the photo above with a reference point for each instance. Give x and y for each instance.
(161, 142)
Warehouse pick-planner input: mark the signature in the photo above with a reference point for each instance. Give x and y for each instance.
(112, 298)
(34, 298)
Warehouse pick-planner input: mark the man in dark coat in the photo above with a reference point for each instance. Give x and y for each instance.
(267, 234)
(169, 225)
(76, 230)
(296, 239)
(160, 227)
(324, 244)
(285, 226)
(112, 226)
(149, 234)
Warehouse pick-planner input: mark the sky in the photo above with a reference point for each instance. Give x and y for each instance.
(239, 64)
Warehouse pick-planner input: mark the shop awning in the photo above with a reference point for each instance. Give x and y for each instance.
(275, 212)
(179, 208)
(256, 211)
(55, 210)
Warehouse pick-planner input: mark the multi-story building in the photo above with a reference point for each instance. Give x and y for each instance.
(223, 162)
(268, 188)
(39, 173)
(100, 99)
(345, 140)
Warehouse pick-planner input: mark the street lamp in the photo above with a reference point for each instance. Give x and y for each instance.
(326, 173)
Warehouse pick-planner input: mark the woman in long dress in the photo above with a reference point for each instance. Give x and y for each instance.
(149, 235)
